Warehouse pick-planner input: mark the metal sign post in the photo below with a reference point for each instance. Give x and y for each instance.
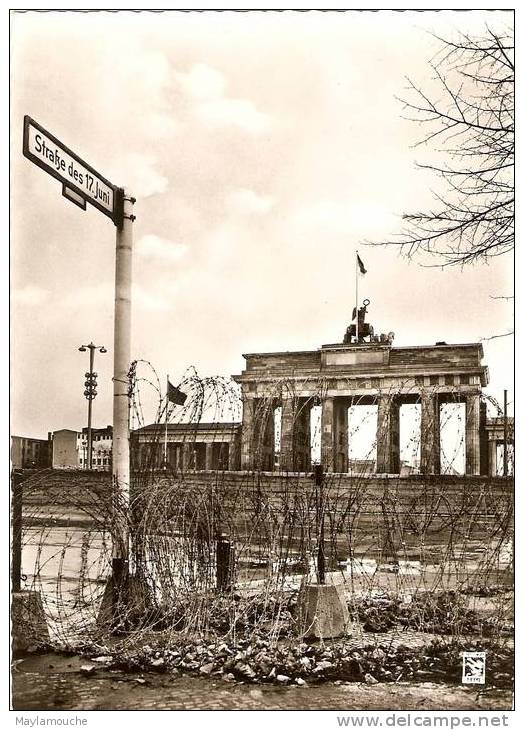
(82, 184)
(122, 360)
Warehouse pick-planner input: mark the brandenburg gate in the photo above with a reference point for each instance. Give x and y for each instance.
(363, 370)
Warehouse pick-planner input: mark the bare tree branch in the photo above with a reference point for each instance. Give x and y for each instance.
(474, 120)
(494, 337)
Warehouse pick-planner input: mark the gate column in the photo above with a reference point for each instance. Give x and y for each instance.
(286, 434)
(388, 447)
(473, 434)
(340, 435)
(327, 446)
(234, 455)
(209, 457)
(302, 436)
(429, 434)
(493, 458)
(187, 452)
(394, 417)
(246, 448)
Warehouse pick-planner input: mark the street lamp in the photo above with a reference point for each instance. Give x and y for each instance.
(90, 394)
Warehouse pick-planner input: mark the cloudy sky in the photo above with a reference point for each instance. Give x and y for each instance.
(263, 149)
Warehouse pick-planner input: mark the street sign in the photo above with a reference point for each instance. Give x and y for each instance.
(80, 182)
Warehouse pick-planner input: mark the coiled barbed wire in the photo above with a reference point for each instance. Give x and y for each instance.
(401, 537)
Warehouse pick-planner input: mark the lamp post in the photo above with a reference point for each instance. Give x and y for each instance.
(90, 394)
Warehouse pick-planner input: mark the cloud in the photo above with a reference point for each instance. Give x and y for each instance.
(206, 86)
(246, 202)
(103, 295)
(202, 82)
(29, 295)
(360, 218)
(91, 296)
(155, 247)
(233, 112)
(141, 84)
(139, 175)
(144, 300)
(160, 124)
(149, 68)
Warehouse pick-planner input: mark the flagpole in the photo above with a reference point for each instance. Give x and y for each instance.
(167, 408)
(356, 291)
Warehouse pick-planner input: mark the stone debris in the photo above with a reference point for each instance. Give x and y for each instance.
(245, 670)
(263, 659)
(322, 667)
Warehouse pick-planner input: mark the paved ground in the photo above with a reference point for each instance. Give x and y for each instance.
(54, 682)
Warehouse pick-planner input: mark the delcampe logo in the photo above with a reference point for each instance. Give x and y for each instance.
(473, 667)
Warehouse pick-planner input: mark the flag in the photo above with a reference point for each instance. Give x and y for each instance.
(174, 395)
(361, 265)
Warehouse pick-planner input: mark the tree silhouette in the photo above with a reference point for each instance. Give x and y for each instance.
(472, 124)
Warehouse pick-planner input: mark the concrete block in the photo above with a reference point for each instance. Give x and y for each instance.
(28, 621)
(322, 612)
(125, 610)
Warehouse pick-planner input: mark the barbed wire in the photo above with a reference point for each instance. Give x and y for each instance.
(221, 551)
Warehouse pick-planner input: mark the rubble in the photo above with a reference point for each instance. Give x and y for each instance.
(285, 662)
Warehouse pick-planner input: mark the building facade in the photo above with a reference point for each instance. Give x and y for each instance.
(496, 433)
(101, 448)
(65, 449)
(29, 453)
(189, 446)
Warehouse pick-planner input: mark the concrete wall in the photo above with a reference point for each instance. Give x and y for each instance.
(372, 516)
(414, 516)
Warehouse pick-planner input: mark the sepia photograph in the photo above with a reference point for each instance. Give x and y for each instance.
(262, 364)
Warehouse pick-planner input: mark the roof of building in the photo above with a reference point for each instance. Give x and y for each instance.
(217, 426)
(368, 346)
